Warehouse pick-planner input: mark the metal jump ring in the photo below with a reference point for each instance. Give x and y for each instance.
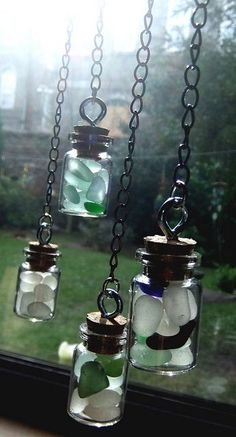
(172, 232)
(45, 228)
(93, 100)
(109, 293)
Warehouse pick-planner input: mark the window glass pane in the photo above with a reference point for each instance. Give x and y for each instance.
(29, 67)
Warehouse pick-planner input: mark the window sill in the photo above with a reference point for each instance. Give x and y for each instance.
(35, 393)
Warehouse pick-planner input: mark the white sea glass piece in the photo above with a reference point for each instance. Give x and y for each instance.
(137, 295)
(51, 304)
(147, 315)
(39, 310)
(181, 357)
(97, 190)
(27, 286)
(50, 280)
(166, 327)
(102, 414)
(147, 357)
(104, 398)
(115, 382)
(93, 165)
(176, 305)
(79, 169)
(31, 277)
(71, 194)
(26, 299)
(43, 293)
(77, 404)
(192, 305)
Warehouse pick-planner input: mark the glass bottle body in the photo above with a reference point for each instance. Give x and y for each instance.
(98, 380)
(85, 183)
(37, 286)
(164, 322)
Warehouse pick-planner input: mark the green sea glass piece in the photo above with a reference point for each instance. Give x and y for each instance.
(92, 379)
(97, 190)
(141, 340)
(94, 208)
(79, 169)
(94, 166)
(71, 179)
(71, 194)
(105, 176)
(112, 367)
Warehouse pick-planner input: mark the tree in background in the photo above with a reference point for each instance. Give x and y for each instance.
(213, 158)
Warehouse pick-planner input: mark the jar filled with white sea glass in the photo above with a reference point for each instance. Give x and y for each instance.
(38, 282)
(165, 306)
(99, 372)
(86, 173)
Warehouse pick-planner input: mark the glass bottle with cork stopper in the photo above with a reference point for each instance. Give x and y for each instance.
(86, 173)
(99, 372)
(37, 282)
(165, 306)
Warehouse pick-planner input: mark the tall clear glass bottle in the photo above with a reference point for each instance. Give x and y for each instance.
(165, 306)
(99, 372)
(86, 173)
(38, 282)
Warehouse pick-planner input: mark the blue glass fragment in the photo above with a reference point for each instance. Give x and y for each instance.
(151, 288)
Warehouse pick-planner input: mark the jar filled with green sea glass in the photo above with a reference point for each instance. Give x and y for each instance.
(99, 372)
(86, 173)
(38, 283)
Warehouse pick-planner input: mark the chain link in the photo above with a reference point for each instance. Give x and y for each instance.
(136, 106)
(97, 55)
(96, 72)
(45, 222)
(189, 100)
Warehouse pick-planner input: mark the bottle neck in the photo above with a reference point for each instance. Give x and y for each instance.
(164, 271)
(100, 343)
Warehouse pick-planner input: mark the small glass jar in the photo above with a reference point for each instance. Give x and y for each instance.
(86, 173)
(37, 283)
(165, 308)
(99, 373)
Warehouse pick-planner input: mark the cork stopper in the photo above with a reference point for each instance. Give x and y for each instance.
(104, 336)
(90, 140)
(91, 130)
(100, 325)
(168, 260)
(50, 248)
(41, 257)
(161, 245)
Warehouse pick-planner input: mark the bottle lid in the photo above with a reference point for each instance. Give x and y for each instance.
(91, 130)
(170, 260)
(91, 139)
(161, 245)
(100, 325)
(50, 248)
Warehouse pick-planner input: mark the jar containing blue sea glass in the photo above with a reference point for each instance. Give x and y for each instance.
(86, 173)
(99, 372)
(165, 306)
(38, 282)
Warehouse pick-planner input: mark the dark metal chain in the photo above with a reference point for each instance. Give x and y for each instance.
(120, 215)
(45, 222)
(189, 99)
(96, 72)
(97, 55)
